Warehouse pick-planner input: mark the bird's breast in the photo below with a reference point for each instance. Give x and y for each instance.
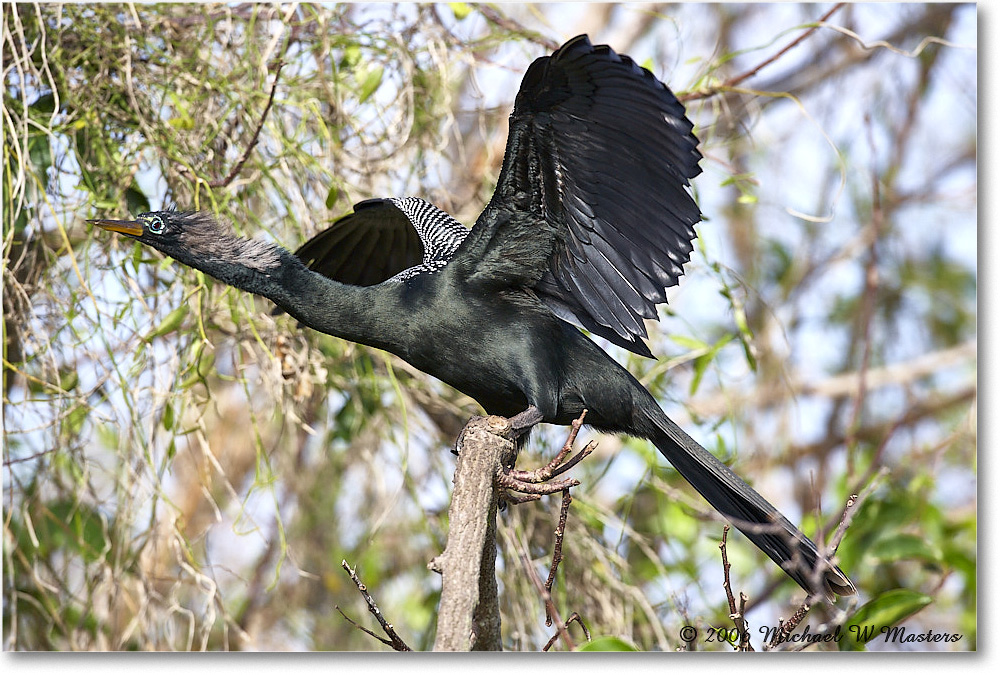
(486, 347)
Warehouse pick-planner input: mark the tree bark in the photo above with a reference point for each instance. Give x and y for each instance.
(469, 613)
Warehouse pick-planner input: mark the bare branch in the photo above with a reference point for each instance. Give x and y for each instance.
(394, 640)
(550, 608)
(469, 612)
(737, 615)
(557, 548)
(572, 617)
(844, 384)
(734, 81)
(495, 17)
(224, 182)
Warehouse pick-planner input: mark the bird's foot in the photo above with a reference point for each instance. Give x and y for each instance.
(525, 486)
(518, 491)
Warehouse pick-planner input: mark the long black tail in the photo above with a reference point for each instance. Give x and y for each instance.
(749, 512)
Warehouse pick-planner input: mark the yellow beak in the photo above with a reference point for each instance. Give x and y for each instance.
(129, 227)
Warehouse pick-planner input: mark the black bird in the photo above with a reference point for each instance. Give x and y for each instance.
(591, 222)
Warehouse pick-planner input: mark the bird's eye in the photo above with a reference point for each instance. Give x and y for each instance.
(156, 225)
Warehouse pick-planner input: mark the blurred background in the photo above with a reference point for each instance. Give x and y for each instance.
(183, 471)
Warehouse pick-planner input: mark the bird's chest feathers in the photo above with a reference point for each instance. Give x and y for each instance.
(449, 331)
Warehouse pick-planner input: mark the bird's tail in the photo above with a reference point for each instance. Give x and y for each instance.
(763, 524)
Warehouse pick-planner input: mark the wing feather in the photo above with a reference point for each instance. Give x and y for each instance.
(601, 153)
(366, 247)
(384, 239)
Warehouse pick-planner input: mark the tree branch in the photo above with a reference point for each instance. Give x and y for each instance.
(572, 617)
(224, 182)
(845, 384)
(737, 614)
(394, 640)
(469, 613)
(557, 548)
(733, 81)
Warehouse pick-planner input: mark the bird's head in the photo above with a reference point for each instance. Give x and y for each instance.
(195, 238)
(158, 228)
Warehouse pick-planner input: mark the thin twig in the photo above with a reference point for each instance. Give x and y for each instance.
(733, 81)
(868, 298)
(550, 608)
(256, 135)
(508, 24)
(845, 522)
(507, 482)
(882, 432)
(736, 614)
(523, 486)
(572, 617)
(725, 570)
(557, 548)
(512, 497)
(785, 628)
(842, 385)
(362, 628)
(394, 641)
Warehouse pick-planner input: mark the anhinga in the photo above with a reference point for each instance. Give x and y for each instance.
(591, 222)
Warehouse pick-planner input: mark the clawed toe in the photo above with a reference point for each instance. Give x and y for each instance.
(525, 486)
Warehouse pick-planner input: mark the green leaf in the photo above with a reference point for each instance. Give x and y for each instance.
(702, 362)
(675, 522)
(68, 380)
(370, 83)
(40, 153)
(607, 644)
(43, 105)
(332, 196)
(66, 526)
(746, 335)
(73, 422)
(85, 155)
(880, 614)
(169, 324)
(352, 56)
(904, 547)
(107, 435)
(168, 417)
(137, 251)
(690, 343)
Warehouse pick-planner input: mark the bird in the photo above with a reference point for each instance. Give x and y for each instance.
(591, 221)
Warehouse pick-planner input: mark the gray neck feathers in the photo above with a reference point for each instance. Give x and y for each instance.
(204, 234)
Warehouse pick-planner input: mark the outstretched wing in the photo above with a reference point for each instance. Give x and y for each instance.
(601, 151)
(382, 239)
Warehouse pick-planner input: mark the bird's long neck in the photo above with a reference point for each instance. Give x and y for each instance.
(355, 313)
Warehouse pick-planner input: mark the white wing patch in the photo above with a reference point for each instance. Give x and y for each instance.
(440, 234)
